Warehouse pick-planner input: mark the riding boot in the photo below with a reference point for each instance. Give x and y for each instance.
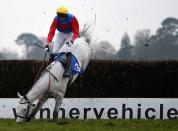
(51, 59)
(67, 71)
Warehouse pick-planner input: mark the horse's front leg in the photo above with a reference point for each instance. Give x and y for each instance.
(57, 107)
(40, 103)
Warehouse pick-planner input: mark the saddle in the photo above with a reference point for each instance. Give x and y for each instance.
(62, 58)
(74, 65)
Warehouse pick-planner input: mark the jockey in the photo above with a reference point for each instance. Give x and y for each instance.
(68, 30)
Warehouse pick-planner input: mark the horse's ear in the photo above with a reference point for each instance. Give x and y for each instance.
(18, 94)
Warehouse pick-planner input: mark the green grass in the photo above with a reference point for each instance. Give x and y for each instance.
(90, 125)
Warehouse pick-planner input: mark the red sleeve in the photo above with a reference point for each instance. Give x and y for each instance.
(75, 28)
(52, 31)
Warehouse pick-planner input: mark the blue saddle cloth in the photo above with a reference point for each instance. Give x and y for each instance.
(74, 66)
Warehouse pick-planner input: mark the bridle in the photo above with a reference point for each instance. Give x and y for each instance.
(26, 117)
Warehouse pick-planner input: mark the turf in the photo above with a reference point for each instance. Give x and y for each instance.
(90, 125)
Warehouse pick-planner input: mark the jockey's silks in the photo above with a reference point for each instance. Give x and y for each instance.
(65, 24)
(69, 24)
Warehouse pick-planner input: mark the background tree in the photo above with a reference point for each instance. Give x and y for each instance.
(124, 52)
(161, 46)
(104, 51)
(32, 51)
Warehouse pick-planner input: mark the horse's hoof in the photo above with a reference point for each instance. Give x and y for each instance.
(28, 119)
(55, 115)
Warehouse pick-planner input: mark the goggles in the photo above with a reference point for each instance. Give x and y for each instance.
(61, 15)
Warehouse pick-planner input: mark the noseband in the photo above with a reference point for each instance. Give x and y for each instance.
(26, 117)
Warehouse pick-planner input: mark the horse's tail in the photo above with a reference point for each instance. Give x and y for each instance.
(86, 32)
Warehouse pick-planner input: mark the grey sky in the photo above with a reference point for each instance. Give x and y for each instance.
(114, 17)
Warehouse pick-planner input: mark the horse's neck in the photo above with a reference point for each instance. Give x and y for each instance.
(39, 88)
(33, 95)
(43, 85)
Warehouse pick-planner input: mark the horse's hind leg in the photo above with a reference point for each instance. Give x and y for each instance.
(57, 107)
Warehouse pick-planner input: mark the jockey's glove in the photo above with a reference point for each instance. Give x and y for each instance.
(69, 43)
(47, 48)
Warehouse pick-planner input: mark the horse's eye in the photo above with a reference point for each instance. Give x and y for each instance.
(25, 109)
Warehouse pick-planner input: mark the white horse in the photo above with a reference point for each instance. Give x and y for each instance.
(52, 83)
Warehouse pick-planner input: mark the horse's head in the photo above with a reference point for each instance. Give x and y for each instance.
(24, 109)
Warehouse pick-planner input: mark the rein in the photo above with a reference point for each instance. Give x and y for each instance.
(28, 118)
(40, 69)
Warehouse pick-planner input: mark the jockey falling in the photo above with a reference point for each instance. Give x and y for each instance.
(68, 30)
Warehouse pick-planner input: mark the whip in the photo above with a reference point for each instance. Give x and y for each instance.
(39, 46)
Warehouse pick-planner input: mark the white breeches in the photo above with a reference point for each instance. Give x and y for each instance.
(61, 39)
